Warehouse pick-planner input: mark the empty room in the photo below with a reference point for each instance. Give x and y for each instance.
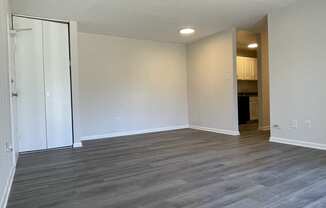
(162, 104)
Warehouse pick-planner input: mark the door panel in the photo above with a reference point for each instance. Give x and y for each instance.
(57, 84)
(13, 100)
(30, 85)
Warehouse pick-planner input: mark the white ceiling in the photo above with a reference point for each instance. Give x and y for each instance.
(152, 19)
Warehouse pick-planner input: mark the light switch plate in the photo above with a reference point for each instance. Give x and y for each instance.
(294, 124)
(308, 124)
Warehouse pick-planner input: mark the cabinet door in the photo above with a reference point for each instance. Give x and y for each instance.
(254, 108)
(246, 68)
(239, 77)
(57, 84)
(31, 129)
(251, 68)
(255, 69)
(241, 74)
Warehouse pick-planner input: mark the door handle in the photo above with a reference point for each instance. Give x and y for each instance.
(14, 94)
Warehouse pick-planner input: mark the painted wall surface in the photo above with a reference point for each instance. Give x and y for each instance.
(6, 158)
(130, 85)
(297, 71)
(212, 90)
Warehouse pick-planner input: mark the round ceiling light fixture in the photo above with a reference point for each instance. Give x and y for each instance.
(253, 45)
(187, 31)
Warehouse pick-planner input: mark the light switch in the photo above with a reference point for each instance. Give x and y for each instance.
(308, 124)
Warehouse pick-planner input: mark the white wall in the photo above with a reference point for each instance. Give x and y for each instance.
(212, 89)
(128, 85)
(297, 37)
(6, 158)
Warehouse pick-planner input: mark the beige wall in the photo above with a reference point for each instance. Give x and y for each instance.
(130, 86)
(6, 158)
(212, 83)
(297, 73)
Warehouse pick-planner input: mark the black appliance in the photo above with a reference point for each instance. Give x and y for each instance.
(243, 109)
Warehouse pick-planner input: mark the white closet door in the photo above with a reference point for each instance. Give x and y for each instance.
(57, 84)
(30, 85)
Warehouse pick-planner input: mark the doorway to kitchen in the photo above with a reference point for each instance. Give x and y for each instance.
(253, 79)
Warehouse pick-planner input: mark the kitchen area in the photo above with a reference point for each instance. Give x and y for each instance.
(247, 78)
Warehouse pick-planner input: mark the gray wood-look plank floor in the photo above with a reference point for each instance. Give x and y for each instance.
(176, 169)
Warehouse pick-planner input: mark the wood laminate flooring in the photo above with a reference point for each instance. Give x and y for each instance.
(176, 169)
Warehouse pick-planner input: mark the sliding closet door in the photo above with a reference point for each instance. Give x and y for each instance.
(31, 122)
(57, 84)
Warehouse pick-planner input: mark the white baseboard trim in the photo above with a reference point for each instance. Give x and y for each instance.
(133, 132)
(298, 143)
(219, 131)
(77, 145)
(5, 197)
(265, 128)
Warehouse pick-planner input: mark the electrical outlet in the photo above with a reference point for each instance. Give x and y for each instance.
(308, 124)
(8, 147)
(294, 124)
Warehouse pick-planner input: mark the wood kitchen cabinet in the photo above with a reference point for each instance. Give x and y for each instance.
(246, 68)
(254, 108)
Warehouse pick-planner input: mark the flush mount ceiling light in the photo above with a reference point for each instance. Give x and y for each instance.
(187, 31)
(253, 45)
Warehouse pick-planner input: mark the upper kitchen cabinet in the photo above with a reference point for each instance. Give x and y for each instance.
(246, 68)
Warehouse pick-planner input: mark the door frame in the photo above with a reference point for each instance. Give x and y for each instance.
(236, 75)
(12, 67)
